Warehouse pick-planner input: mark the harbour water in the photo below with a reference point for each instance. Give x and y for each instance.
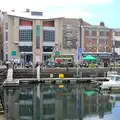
(60, 102)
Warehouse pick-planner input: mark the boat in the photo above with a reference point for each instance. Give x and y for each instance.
(114, 81)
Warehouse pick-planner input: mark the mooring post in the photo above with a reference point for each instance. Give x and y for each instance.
(10, 75)
(38, 86)
(38, 72)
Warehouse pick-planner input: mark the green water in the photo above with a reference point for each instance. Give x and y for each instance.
(53, 102)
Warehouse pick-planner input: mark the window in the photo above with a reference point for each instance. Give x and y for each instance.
(111, 77)
(117, 78)
(90, 33)
(25, 35)
(37, 42)
(26, 110)
(48, 96)
(37, 13)
(94, 33)
(101, 41)
(117, 44)
(101, 49)
(89, 41)
(6, 26)
(25, 48)
(47, 49)
(101, 33)
(86, 32)
(6, 36)
(49, 35)
(6, 57)
(105, 33)
(94, 41)
(117, 33)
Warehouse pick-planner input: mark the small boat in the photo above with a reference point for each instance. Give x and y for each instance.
(114, 81)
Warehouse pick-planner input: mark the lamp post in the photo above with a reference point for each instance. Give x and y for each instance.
(24, 58)
(113, 46)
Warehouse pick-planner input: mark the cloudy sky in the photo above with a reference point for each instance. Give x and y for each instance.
(93, 11)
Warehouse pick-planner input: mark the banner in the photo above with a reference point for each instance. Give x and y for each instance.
(79, 51)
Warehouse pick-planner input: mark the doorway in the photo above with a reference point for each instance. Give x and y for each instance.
(46, 57)
(26, 57)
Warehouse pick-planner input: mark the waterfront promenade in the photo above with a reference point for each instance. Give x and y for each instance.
(68, 72)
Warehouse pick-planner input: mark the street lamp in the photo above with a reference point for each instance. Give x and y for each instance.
(114, 54)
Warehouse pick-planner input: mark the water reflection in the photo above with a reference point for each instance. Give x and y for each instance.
(57, 102)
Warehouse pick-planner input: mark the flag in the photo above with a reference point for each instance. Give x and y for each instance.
(79, 51)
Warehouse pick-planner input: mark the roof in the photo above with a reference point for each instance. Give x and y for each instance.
(116, 29)
(29, 16)
(96, 26)
(75, 21)
(86, 23)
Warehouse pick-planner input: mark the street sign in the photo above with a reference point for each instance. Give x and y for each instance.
(57, 53)
(13, 53)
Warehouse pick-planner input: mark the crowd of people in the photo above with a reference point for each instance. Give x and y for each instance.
(19, 64)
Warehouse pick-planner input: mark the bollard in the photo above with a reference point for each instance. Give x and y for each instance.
(38, 72)
(10, 75)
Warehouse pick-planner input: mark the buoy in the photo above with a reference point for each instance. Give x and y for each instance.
(61, 75)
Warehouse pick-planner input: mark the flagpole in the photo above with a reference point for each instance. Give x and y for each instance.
(79, 50)
(77, 60)
(77, 67)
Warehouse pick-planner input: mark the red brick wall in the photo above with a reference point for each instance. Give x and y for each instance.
(109, 41)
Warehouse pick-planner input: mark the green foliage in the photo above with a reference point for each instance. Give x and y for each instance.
(116, 65)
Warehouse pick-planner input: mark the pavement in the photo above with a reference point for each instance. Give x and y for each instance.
(1, 117)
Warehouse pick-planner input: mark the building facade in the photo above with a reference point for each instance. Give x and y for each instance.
(97, 40)
(32, 37)
(1, 35)
(116, 41)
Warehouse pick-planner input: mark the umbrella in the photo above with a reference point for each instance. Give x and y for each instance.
(59, 61)
(89, 92)
(89, 57)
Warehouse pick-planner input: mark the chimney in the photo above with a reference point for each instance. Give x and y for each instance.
(27, 10)
(102, 24)
(81, 21)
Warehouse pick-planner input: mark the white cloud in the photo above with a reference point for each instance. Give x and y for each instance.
(44, 4)
(69, 12)
(64, 8)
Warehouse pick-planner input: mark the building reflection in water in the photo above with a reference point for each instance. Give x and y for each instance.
(54, 102)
